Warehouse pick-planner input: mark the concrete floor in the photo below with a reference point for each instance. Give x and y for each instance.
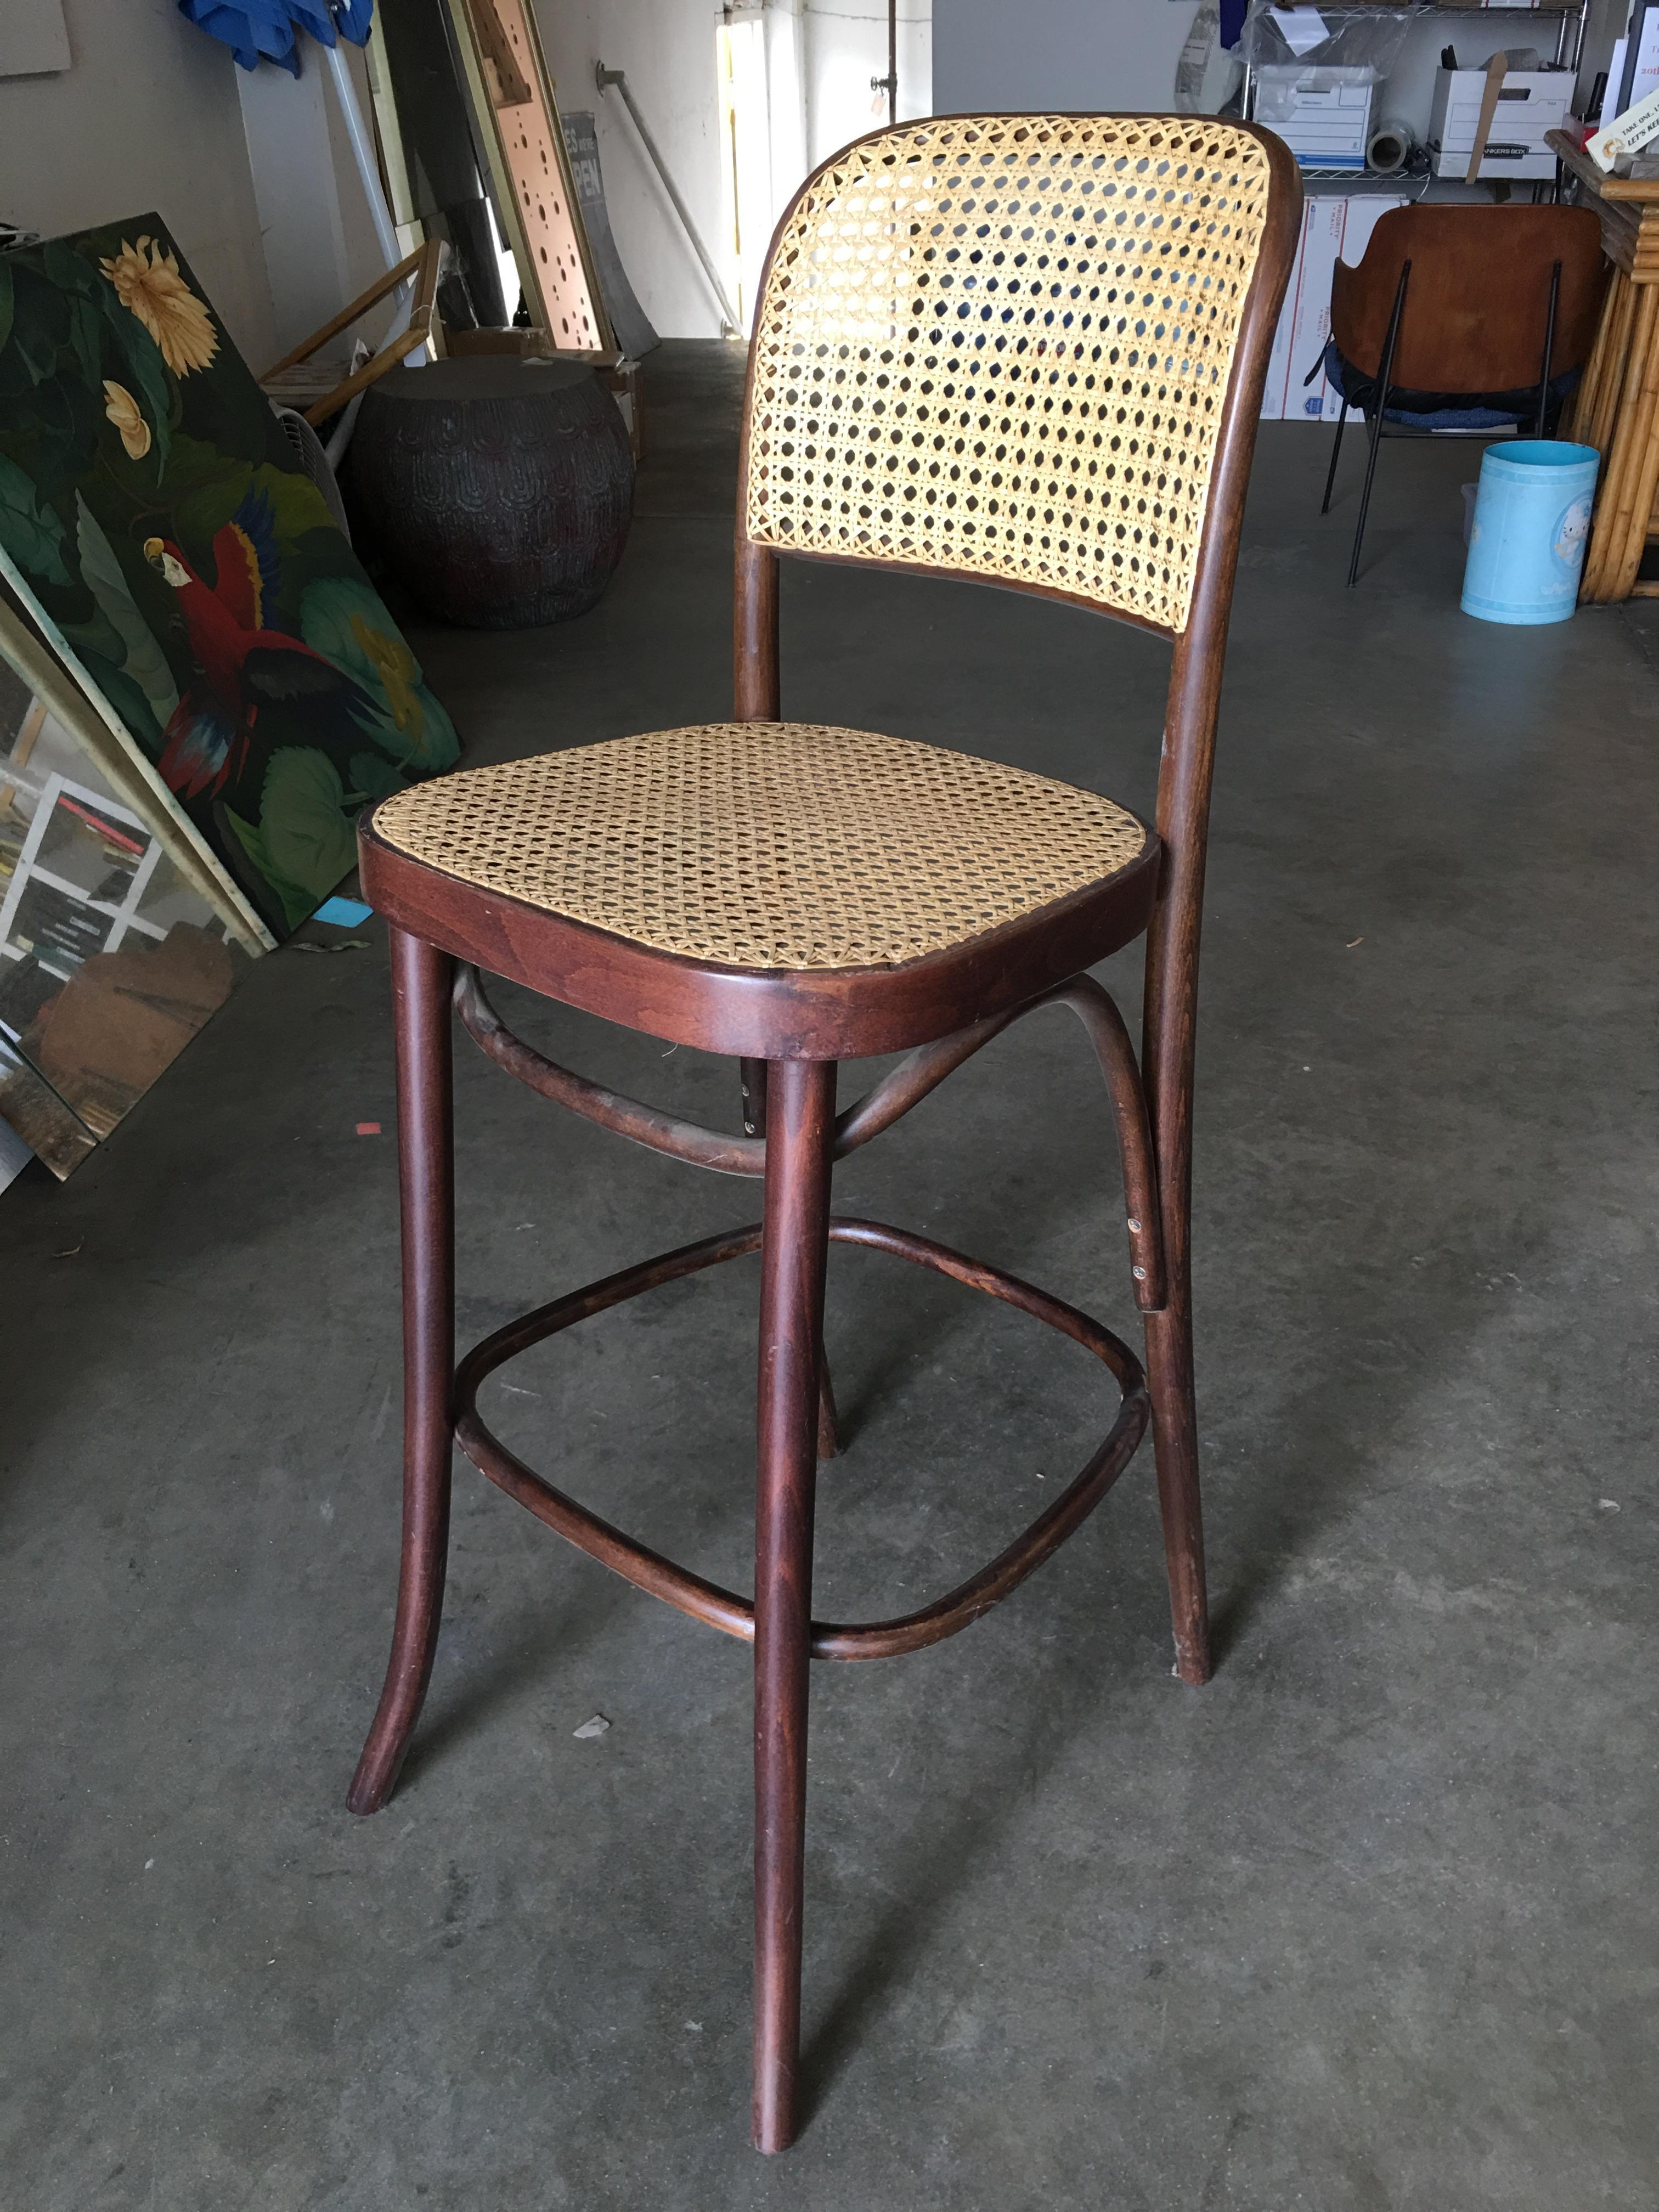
(1369, 1923)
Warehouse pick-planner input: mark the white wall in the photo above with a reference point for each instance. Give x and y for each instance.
(317, 232)
(1056, 56)
(821, 57)
(146, 116)
(667, 49)
(843, 46)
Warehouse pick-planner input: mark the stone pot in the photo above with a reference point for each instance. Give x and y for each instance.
(498, 492)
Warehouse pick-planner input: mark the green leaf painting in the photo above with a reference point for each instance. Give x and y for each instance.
(143, 659)
(29, 531)
(344, 619)
(156, 521)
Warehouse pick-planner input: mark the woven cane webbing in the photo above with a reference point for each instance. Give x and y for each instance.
(1000, 345)
(767, 844)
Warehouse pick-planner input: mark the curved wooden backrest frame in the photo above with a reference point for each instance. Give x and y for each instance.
(1478, 298)
(1199, 636)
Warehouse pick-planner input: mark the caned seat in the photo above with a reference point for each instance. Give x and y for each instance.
(782, 860)
(1025, 350)
(768, 844)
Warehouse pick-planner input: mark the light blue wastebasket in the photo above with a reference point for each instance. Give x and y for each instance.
(1532, 519)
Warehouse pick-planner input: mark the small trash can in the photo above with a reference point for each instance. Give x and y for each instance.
(1532, 519)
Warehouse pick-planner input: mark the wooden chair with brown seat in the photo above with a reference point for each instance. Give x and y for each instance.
(1018, 350)
(1459, 304)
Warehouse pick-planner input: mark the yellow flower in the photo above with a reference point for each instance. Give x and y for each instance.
(394, 664)
(155, 291)
(121, 409)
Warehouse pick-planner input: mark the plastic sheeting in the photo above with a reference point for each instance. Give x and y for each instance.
(1206, 73)
(1372, 40)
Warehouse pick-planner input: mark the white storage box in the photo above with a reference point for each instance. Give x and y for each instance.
(1336, 227)
(1529, 103)
(1323, 115)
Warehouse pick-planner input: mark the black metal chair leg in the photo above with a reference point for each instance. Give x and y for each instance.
(1549, 350)
(1379, 408)
(1336, 450)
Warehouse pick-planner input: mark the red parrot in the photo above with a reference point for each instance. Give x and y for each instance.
(245, 666)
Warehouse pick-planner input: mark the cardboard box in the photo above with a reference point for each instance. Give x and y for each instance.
(1360, 219)
(1334, 227)
(1279, 360)
(1323, 115)
(1530, 102)
(1647, 69)
(1321, 244)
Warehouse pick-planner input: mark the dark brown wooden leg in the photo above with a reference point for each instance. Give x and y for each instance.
(1174, 1441)
(803, 1108)
(829, 1422)
(753, 1079)
(1168, 1038)
(422, 980)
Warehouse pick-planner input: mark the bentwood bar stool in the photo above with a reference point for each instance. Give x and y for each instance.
(1024, 349)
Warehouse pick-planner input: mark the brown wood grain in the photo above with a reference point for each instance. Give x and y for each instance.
(827, 1013)
(422, 981)
(1479, 295)
(789, 1028)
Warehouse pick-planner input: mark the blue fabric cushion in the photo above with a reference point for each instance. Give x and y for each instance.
(1444, 411)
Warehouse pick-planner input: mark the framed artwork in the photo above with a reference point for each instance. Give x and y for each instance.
(156, 525)
(111, 958)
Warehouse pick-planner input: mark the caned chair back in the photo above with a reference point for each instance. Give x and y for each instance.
(1002, 347)
(1478, 299)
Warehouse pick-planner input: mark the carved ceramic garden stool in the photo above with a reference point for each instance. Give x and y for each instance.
(1027, 350)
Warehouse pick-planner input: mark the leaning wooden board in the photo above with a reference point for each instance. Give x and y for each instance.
(513, 97)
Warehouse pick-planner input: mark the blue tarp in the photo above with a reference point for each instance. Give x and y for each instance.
(256, 29)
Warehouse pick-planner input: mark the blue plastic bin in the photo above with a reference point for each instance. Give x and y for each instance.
(1532, 519)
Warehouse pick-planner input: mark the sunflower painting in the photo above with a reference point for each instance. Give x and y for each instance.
(155, 521)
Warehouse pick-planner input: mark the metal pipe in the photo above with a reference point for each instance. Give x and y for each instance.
(604, 78)
(889, 84)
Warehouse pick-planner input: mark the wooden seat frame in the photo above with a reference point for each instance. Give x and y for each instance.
(790, 1028)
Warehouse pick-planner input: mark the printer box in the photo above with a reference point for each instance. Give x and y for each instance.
(1529, 103)
(1322, 114)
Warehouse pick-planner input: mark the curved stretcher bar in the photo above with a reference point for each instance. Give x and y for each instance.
(722, 1608)
(919, 1073)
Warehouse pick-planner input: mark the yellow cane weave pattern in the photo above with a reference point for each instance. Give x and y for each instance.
(1000, 345)
(767, 844)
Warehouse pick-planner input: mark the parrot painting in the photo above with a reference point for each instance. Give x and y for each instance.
(259, 686)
